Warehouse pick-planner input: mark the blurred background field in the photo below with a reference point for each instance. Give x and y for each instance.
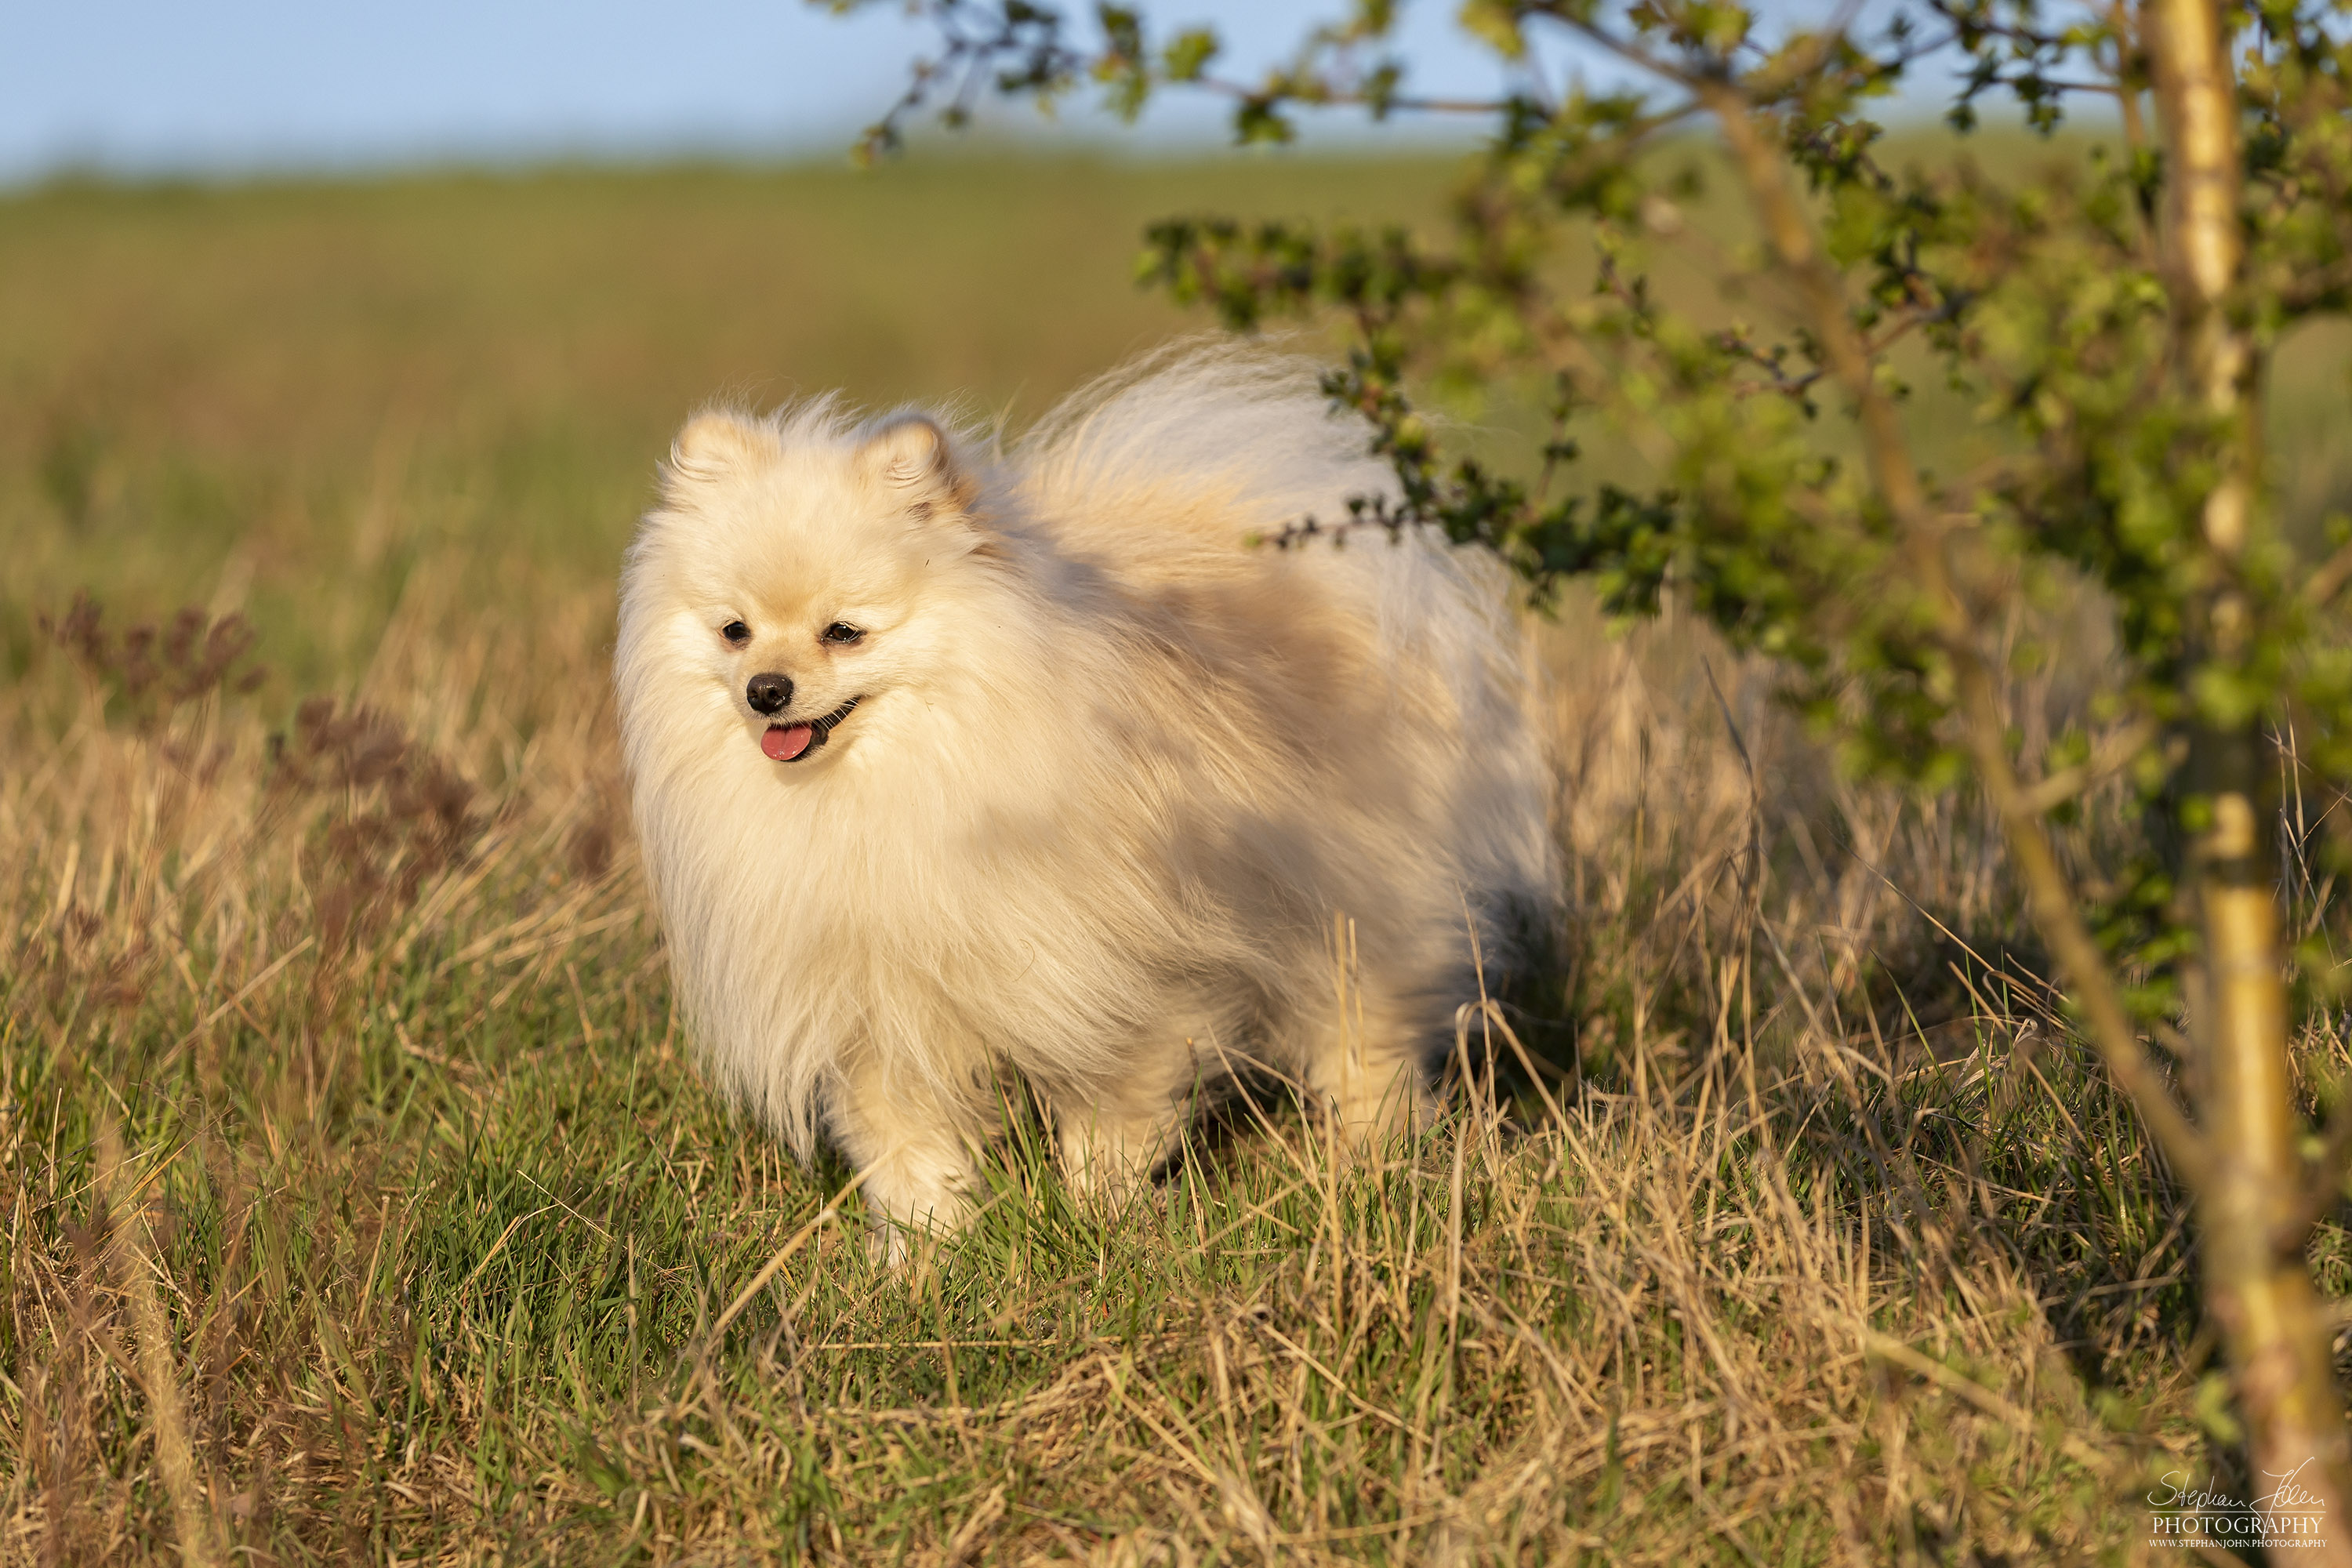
(286, 386)
(362, 1200)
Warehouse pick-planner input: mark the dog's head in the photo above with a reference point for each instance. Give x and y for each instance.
(792, 573)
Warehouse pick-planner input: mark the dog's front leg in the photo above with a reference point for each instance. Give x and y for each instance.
(1368, 1064)
(916, 1146)
(1114, 1133)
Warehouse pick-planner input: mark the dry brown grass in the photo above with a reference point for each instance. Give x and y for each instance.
(1774, 1278)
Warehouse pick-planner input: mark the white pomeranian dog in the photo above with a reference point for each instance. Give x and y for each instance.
(949, 760)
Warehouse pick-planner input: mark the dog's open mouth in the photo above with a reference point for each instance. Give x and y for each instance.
(789, 742)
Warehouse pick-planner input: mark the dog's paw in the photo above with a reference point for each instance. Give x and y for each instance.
(888, 1245)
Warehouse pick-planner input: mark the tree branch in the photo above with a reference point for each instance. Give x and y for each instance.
(2054, 903)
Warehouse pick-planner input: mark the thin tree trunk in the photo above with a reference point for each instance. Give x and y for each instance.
(2257, 1293)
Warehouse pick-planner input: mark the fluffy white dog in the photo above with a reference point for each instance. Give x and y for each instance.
(947, 760)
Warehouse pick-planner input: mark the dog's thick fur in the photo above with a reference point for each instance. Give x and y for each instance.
(1115, 775)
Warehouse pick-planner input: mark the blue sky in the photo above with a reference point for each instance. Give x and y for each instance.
(238, 85)
(235, 87)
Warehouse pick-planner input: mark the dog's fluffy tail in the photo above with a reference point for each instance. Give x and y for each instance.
(1248, 433)
(1216, 417)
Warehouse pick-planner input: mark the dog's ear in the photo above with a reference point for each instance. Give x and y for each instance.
(716, 442)
(913, 458)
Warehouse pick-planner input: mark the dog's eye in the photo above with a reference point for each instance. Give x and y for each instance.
(842, 632)
(736, 633)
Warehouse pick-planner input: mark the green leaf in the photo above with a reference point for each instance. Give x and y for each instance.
(1495, 23)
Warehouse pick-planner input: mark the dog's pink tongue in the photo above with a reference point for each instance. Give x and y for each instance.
(782, 743)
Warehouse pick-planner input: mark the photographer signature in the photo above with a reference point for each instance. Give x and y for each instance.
(2173, 1490)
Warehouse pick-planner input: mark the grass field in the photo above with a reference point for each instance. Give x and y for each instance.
(362, 1201)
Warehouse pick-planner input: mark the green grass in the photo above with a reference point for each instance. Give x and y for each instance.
(363, 1202)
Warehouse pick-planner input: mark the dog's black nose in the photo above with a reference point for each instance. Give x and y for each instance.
(768, 693)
